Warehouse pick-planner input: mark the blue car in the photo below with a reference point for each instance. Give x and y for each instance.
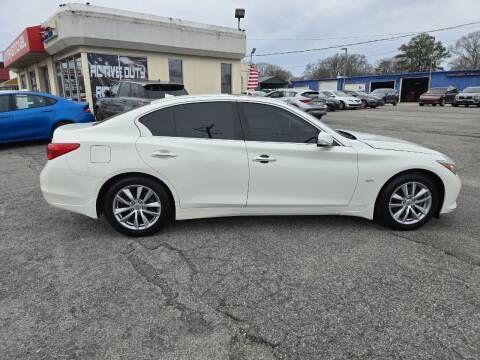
(32, 116)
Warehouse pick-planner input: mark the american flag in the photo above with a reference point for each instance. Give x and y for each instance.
(252, 77)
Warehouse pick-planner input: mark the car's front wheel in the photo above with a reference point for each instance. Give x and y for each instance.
(407, 202)
(137, 206)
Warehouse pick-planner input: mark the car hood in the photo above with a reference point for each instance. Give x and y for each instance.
(468, 94)
(348, 98)
(431, 96)
(389, 143)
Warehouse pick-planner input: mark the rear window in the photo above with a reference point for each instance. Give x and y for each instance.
(310, 94)
(158, 91)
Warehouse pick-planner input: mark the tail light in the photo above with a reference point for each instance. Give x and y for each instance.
(86, 109)
(58, 149)
(306, 100)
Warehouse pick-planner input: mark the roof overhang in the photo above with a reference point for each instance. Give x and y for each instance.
(79, 25)
(25, 50)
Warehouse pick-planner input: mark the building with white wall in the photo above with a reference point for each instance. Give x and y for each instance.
(82, 50)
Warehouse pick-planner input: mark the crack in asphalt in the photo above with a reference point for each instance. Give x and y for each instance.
(463, 258)
(154, 276)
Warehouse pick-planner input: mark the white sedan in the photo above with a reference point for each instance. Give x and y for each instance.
(346, 101)
(209, 156)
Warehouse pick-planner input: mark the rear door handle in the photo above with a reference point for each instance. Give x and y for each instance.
(264, 159)
(163, 154)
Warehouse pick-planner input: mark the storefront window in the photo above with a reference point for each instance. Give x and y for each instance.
(226, 78)
(33, 80)
(175, 71)
(70, 78)
(46, 79)
(23, 81)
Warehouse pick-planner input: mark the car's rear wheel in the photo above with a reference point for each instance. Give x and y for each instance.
(407, 202)
(364, 104)
(137, 206)
(421, 104)
(442, 102)
(342, 105)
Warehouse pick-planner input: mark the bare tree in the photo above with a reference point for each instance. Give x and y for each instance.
(387, 66)
(334, 66)
(266, 69)
(467, 52)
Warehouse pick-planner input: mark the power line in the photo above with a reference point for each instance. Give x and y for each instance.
(368, 41)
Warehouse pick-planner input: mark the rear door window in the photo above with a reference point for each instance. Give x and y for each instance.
(28, 101)
(209, 120)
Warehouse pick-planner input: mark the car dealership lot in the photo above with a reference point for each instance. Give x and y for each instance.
(246, 288)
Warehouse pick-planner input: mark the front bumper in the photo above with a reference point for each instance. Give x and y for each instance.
(353, 105)
(453, 186)
(429, 101)
(467, 102)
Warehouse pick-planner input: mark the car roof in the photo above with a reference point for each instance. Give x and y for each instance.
(13, 92)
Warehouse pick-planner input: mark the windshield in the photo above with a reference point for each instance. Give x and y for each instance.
(158, 91)
(378, 91)
(436, 91)
(340, 93)
(472, 90)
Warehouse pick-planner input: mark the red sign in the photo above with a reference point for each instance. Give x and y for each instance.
(29, 41)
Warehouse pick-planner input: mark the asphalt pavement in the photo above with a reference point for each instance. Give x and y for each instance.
(246, 288)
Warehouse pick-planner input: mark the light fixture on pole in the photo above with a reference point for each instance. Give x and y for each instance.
(251, 55)
(239, 14)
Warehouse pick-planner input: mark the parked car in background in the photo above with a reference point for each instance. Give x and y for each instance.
(277, 161)
(254, 93)
(130, 94)
(305, 99)
(346, 101)
(438, 96)
(34, 116)
(389, 96)
(469, 96)
(366, 99)
(331, 102)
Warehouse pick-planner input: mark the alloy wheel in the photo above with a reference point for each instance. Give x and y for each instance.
(410, 203)
(137, 207)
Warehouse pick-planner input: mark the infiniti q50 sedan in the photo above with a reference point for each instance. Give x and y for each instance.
(208, 156)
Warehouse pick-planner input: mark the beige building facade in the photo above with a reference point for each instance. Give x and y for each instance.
(88, 49)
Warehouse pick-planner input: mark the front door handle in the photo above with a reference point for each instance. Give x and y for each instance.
(264, 159)
(163, 154)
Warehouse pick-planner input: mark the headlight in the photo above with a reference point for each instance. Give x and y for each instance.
(450, 165)
(476, 97)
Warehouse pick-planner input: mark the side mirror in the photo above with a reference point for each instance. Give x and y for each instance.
(324, 139)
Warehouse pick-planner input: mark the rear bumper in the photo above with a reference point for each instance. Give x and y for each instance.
(67, 190)
(353, 106)
(429, 101)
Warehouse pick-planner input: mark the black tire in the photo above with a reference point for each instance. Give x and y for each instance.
(364, 104)
(342, 105)
(421, 104)
(394, 103)
(467, 105)
(382, 211)
(442, 102)
(434, 104)
(455, 105)
(167, 205)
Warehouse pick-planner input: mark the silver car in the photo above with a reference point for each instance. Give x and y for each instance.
(307, 100)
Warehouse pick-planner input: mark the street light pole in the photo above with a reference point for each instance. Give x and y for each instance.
(345, 66)
(251, 55)
(432, 55)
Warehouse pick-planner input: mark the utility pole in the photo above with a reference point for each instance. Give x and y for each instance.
(345, 66)
(432, 56)
(251, 55)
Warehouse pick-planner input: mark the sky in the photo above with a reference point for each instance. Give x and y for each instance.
(333, 22)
